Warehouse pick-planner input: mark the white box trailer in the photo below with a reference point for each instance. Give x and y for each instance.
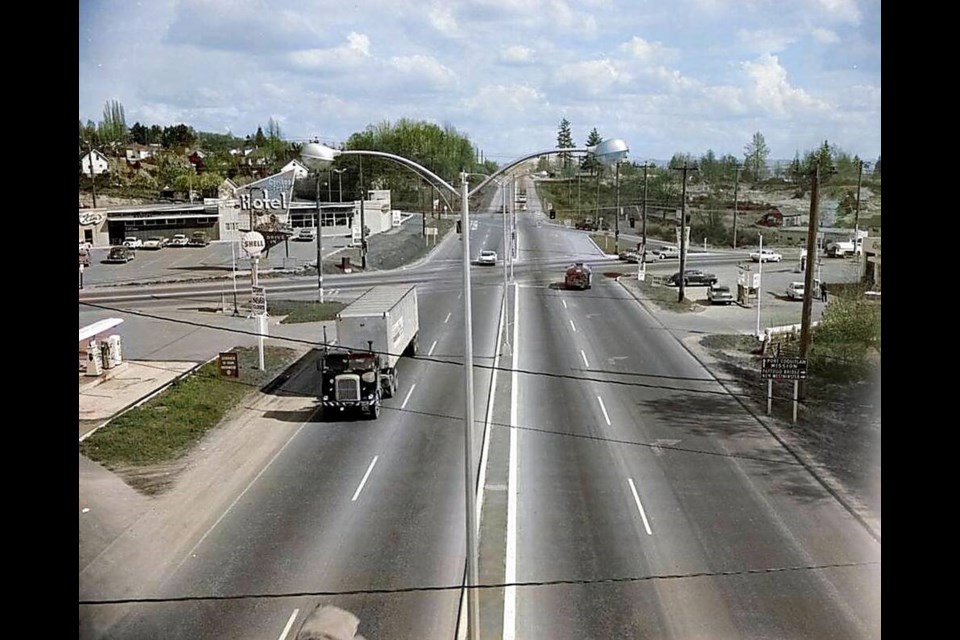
(385, 319)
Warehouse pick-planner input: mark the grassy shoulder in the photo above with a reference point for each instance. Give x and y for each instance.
(661, 295)
(839, 417)
(165, 428)
(297, 311)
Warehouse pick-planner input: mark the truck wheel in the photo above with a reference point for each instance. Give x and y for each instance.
(374, 410)
(415, 346)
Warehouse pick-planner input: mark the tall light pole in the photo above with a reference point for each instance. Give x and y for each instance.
(736, 187)
(608, 151)
(683, 229)
(320, 237)
(857, 251)
(339, 173)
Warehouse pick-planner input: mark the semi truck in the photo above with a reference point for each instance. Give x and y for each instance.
(373, 332)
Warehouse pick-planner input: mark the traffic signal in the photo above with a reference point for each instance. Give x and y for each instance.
(458, 227)
(553, 213)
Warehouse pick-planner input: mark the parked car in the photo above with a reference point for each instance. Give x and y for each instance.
(766, 255)
(178, 240)
(487, 257)
(719, 294)
(306, 234)
(795, 291)
(133, 243)
(585, 225)
(693, 277)
(664, 253)
(122, 254)
(198, 239)
(154, 243)
(630, 256)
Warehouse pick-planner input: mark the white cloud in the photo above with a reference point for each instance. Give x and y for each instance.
(646, 51)
(493, 101)
(354, 52)
(771, 91)
(516, 54)
(425, 67)
(592, 76)
(766, 40)
(442, 19)
(846, 10)
(825, 36)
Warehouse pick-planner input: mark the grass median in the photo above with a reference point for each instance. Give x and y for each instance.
(164, 429)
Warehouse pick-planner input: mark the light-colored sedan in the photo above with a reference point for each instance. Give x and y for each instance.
(133, 243)
(178, 240)
(487, 257)
(154, 243)
(766, 255)
(795, 291)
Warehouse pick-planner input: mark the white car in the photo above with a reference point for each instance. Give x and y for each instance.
(766, 256)
(306, 234)
(487, 257)
(795, 291)
(664, 253)
(155, 242)
(178, 240)
(133, 243)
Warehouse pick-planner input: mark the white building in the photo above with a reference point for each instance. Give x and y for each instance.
(99, 161)
(298, 168)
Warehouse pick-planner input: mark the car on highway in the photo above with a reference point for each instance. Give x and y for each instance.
(766, 255)
(487, 257)
(154, 243)
(667, 252)
(198, 239)
(795, 291)
(693, 277)
(719, 294)
(120, 254)
(133, 243)
(178, 240)
(306, 234)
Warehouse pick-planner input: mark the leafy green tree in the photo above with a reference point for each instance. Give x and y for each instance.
(564, 141)
(113, 127)
(259, 139)
(138, 133)
(178, 137)
(755, 155)
(590, 163)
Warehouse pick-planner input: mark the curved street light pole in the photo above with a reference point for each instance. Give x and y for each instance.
(318, 155)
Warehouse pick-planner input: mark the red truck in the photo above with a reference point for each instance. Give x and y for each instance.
(578, 276)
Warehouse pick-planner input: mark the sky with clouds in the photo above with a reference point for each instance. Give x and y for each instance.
(682, 76)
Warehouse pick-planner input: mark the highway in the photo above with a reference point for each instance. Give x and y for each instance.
(623, 490)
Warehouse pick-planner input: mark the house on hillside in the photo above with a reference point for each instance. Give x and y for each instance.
(93, 163)
(298, 168)
(136, 152)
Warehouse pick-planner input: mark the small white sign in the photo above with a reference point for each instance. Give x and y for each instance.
(253, 243)
(756, 281)
(259, 295)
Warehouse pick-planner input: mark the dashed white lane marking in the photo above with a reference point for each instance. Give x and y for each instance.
(286, 629)
(604, 409)
(364, 481)
(646, 525)
(414, 386)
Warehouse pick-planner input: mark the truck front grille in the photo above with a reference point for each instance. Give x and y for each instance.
(348, 389)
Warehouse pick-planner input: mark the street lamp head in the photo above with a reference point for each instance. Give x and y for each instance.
(610, 151)
(318, 156)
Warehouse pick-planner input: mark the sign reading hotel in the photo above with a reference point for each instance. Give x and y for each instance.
(268, 201)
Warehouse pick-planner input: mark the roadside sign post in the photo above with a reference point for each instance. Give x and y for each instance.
(783, 368)
(253, 243)
(229, 364)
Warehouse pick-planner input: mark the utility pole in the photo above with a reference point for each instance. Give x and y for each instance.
(643, 214)
(808, 293)
(616, 213)
(363, 224)
(856, 219)
(736, 189)
(683, 228)
(320, 237)
(93, 177)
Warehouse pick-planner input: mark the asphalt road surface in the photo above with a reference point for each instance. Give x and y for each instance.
(623, 491)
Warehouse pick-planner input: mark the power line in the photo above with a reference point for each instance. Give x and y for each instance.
(486, 586)
(435, 360)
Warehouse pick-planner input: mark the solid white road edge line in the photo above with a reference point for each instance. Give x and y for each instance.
(237, 499)
(510, 573)
(646, 525)
(604, 409)
(364, 481)
(286, 629)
